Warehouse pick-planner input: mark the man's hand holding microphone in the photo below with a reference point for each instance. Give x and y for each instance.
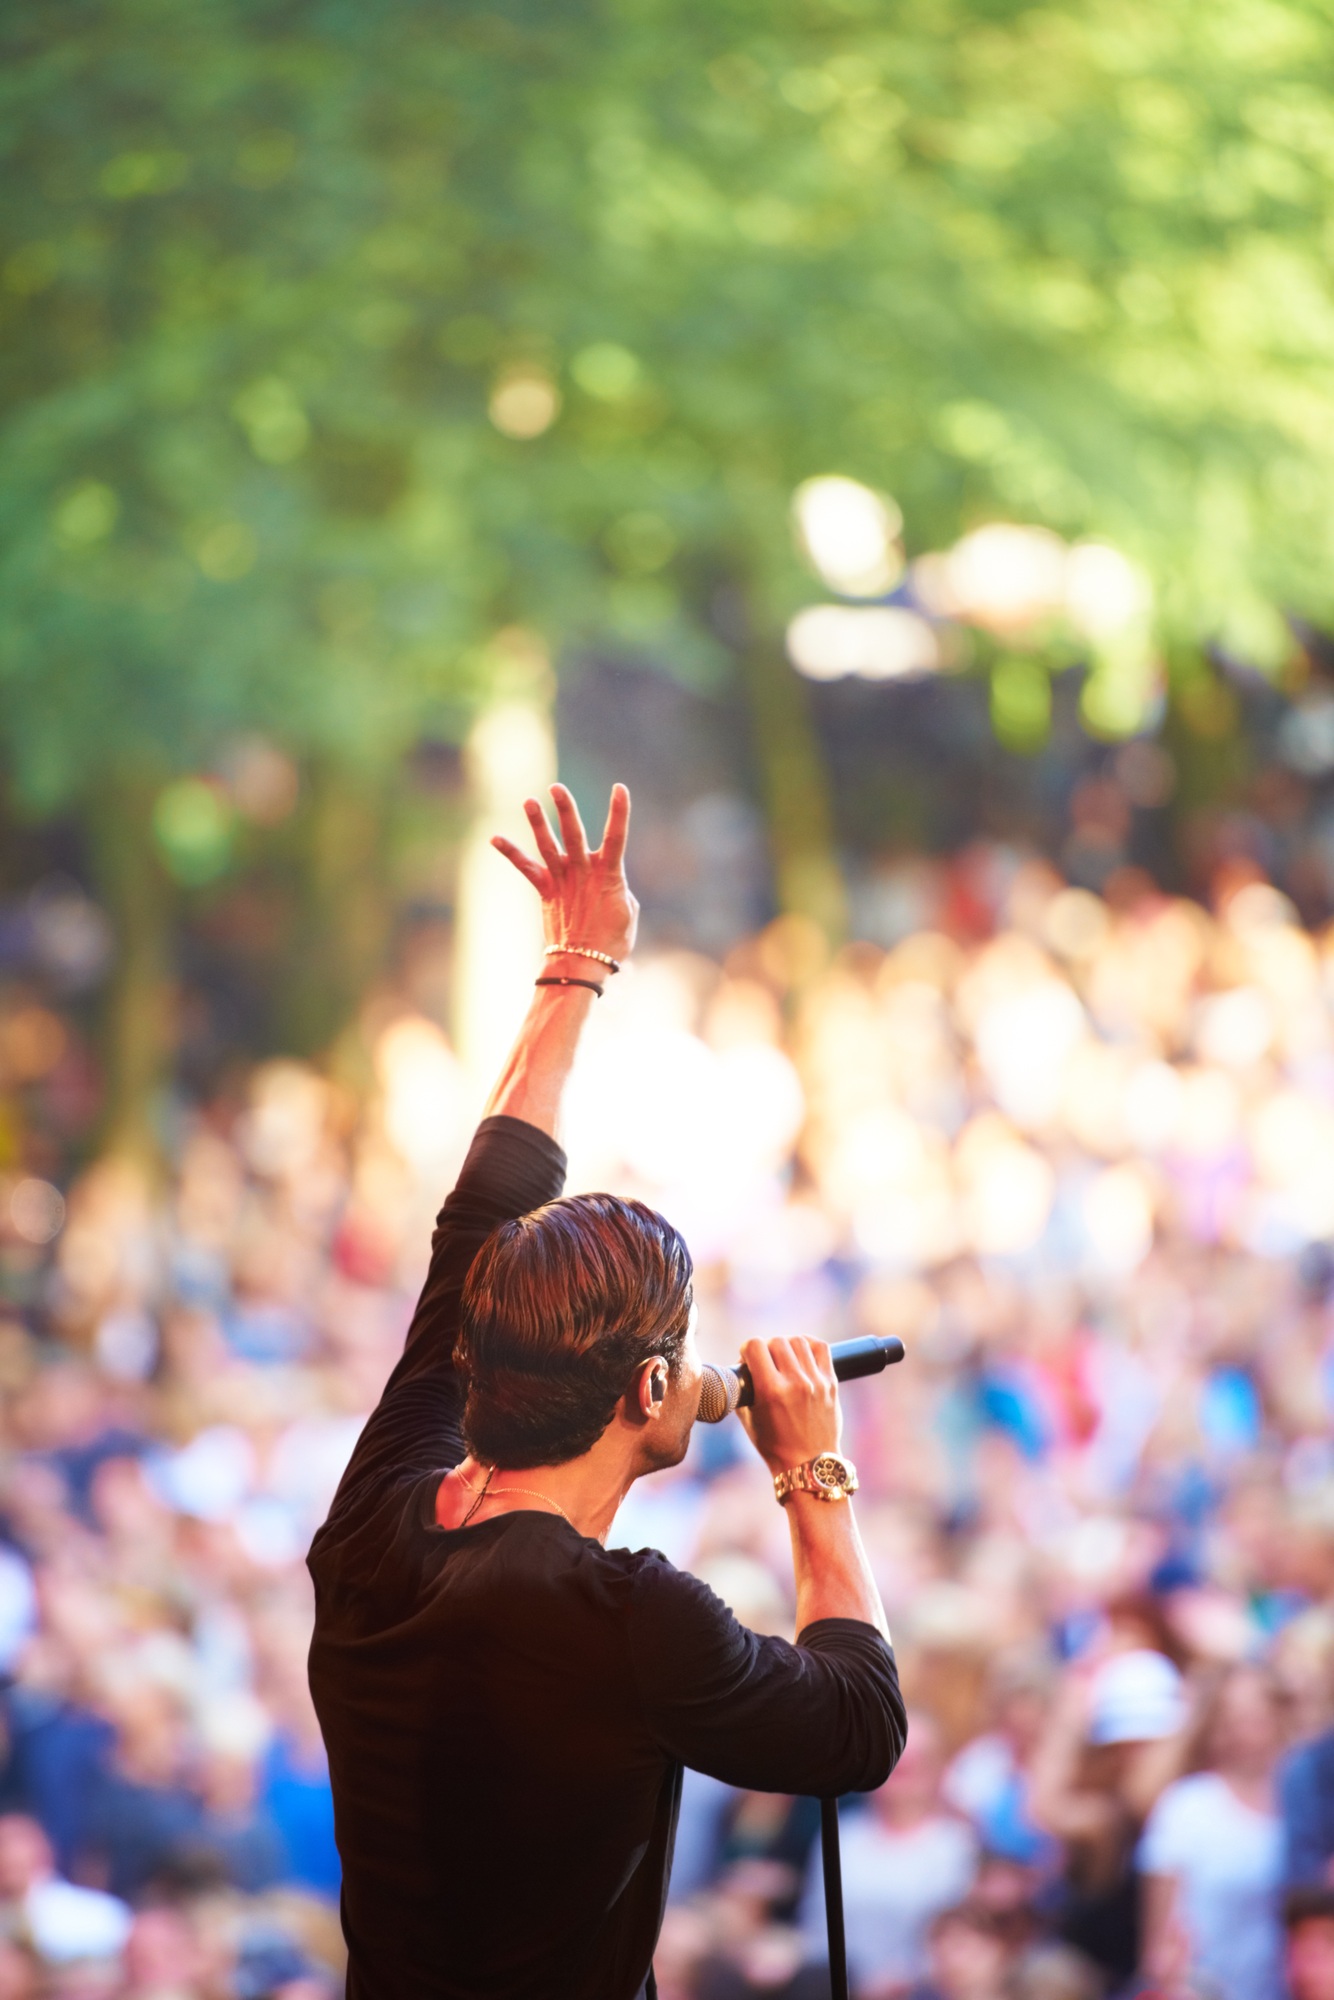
(795, 1422)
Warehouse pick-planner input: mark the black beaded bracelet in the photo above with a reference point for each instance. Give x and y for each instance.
(592, 985)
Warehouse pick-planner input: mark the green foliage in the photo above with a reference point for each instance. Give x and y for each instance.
(267, 270)
(1020, 703)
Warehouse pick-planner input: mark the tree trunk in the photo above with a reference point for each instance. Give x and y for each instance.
(795, 784)
(137, 1033)
(343, 928)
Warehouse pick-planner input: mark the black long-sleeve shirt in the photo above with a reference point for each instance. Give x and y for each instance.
(507, 1707)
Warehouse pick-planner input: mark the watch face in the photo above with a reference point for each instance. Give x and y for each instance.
(827, 1470)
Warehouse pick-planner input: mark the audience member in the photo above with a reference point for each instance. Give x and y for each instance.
(906, 1858)
(1111, 1744)
(1306, 1797)
(144, 1811)
(1308, 1923)
(1212, 1853)
(989, 1780)
(58, 1920)
(968, 1957)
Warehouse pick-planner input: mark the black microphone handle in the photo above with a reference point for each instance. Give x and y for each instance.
(851, 1358)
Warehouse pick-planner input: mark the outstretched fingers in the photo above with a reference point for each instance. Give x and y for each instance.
(617, 828)
(530, 870)
(571, 826)
(542, 834)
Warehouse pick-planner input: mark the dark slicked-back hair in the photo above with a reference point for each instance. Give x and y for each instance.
(560, 1310)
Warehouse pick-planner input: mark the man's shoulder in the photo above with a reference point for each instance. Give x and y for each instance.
(654, 1579)
(666, 1608)
(641, 1578)
(373, 1537)
(639, 1562)
(513, 1163)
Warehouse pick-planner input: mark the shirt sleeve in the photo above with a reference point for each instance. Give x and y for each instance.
(822, 1717)
(416, 1427)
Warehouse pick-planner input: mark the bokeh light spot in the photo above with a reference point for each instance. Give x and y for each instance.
(262, 781)
(524, 402)
(850, 533)
(193, 823)
(87, 515)
(607, 370)
(884, 642)
(36, 1211)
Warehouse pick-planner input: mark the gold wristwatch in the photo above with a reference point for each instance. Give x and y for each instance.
(828, 1477)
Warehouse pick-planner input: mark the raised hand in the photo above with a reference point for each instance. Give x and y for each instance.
(586, 900)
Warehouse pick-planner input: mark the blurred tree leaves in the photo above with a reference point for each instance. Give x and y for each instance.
(267, 268)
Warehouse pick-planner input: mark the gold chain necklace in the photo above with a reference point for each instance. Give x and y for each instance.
(528, 1492)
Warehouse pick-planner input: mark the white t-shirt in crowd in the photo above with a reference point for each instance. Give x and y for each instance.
(894, 1885)
(66, 1922)
(1227, 1860)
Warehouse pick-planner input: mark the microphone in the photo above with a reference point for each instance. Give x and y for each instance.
(726, 1389)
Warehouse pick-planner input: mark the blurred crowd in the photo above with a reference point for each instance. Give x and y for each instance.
(1077, 1150)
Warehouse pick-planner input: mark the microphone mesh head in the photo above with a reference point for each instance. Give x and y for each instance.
(719, 1394)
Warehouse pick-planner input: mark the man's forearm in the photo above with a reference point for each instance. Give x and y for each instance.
(833, 1576)
(532, 1083)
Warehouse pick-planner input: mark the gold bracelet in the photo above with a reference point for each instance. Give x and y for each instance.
(581, 951)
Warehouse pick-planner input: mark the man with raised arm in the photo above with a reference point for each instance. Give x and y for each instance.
(507, 1703)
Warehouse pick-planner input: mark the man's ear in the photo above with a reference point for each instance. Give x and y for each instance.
(652, 1387)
